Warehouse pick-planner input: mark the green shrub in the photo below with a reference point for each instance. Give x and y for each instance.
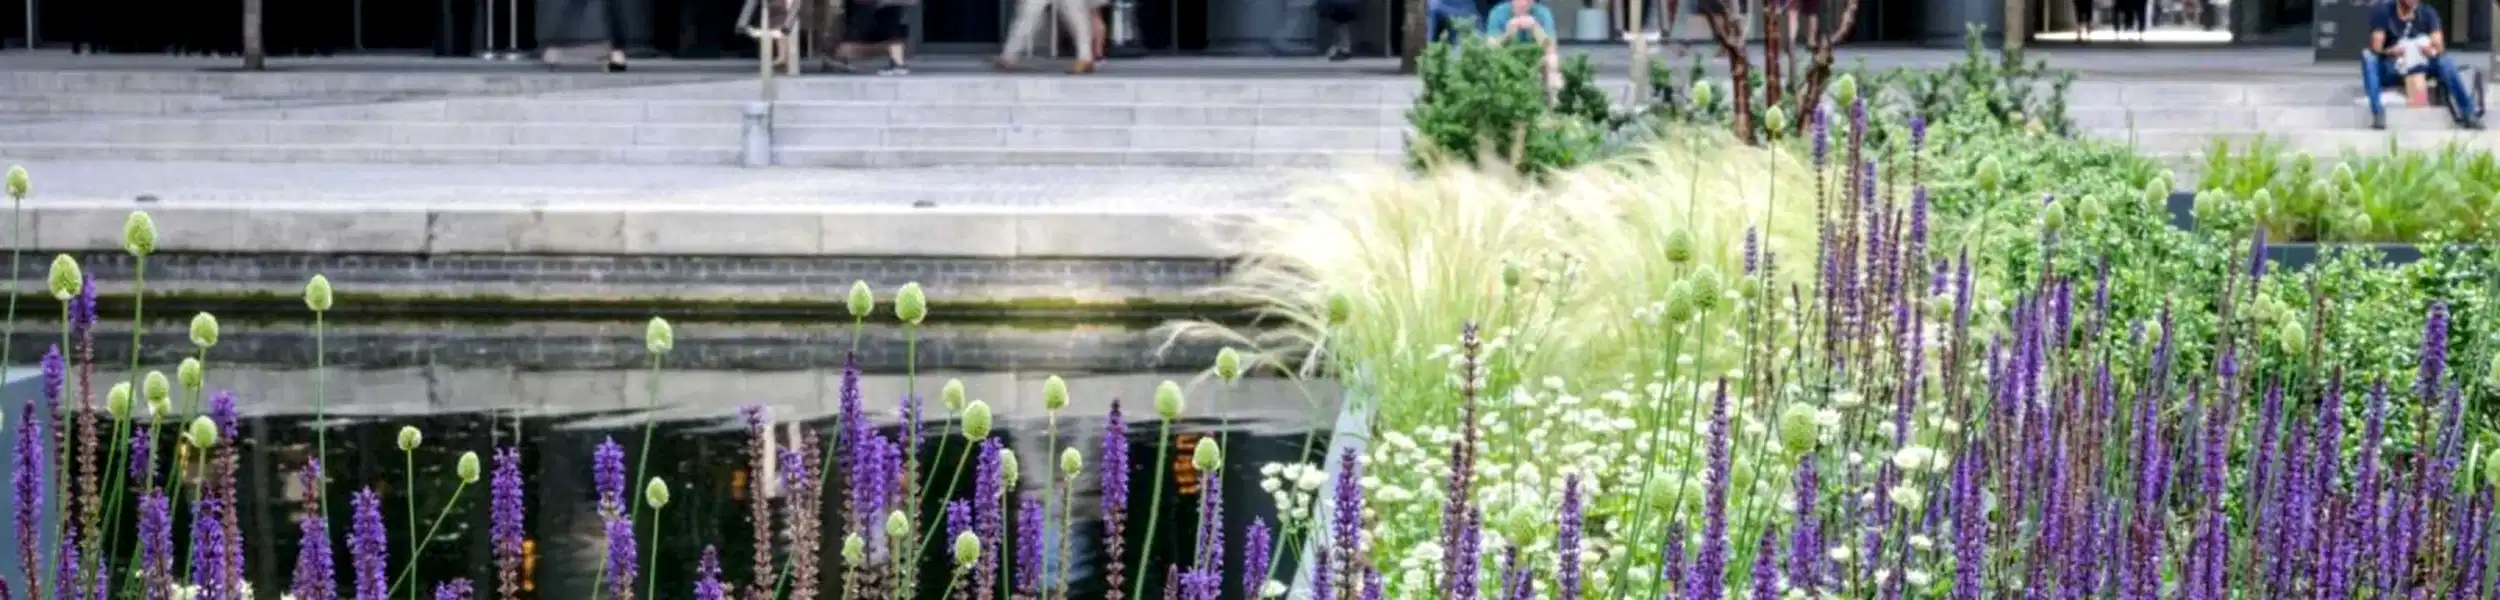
(1485, 102)
(2401, 196)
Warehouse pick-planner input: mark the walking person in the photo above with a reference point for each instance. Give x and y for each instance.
(1073, 14)
(872, 24)
(1340, 15)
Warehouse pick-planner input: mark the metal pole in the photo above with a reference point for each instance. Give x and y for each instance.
(486, 42)
(512, 30)
(32, 38)
(764, 46)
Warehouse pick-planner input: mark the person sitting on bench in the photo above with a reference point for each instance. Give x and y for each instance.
(2406, 43)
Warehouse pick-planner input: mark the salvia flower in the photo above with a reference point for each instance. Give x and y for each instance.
(312, 560)
(1255, 548)
(368, 546)
(507, 532)
(608, 474)
(707, 583)
(1567, 541)
(1028, 571)
(457, 589)
(28, 480)
(622, 566)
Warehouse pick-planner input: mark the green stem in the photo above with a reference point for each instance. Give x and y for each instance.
(651, 591)
(321, 408)
(100, 550)
(428, 540)
(183, 559)
(414, 551)
(930, 536)
(650, 423)
(1051, 446)
(1154, 509)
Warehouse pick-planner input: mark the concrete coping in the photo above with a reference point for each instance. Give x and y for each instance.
(652, 230)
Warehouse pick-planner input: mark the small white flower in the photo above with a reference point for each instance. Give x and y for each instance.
(1920, 578)
(1907, 497)
(1922, 542)
(1272, 589)
(1839, 554)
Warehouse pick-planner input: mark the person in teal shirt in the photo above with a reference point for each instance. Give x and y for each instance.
(1519, 20)
(1530, 22)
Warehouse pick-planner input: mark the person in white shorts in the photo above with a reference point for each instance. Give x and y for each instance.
(1072, 15)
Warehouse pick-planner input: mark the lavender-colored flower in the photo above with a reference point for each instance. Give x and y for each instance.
(208, 551)
(1710, 568)
(1753, 260)
(1346, 525)
(2434, 354)
(1115, 490)
(1373, 584)
(1766, 575)
(607, 471)
(759, 503)
(156, 545)
(707, 583)
(1805, 543)
(506, 529)
(857, 450)
(1210, 552)
(958, 518)
(1822, 141)
(66, 577)
(368, 546)
(988, 515)
(82, 306)
(623, 566)
(28, 482)
(142, 462)
(457, 589)
(1918, 131)
(1567, 541)
(1028, 572)
(1470, 555)
(1255, 547)
(312, 560)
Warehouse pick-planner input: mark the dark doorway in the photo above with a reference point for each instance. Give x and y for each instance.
(968, 24)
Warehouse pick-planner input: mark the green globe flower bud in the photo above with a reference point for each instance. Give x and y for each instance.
(1340, 308)
(1797, 428)
(2343, 175)
(1010, 469)
(1228, 365)
(976, 420)
(862, 301)
(1845, 90)
(1054, 393)
(203, 433)
(967, 550)
(656, 493)
(2492, 372)
(188, 373)
(410, 438)
(467, 468)
(1704, 95)
(317, 293)
(2163, 183)
(1667, 492)
(2491, 468)
(1680, 300)
(1680, 246)
(1990, 173)
(204, 330)
(910, 305)
(160, 408)
(139, 234)
(1775, 120)
(952, 396)
(19, 182)
(117, 401)
(1168, 400)
(658, 336)
(1071, 462)
(897, 525)
(156, 388)
(66, 281)
(854, 549)
(2054, 217)
(1511, 274)
(1208, 457)
(1707, 292)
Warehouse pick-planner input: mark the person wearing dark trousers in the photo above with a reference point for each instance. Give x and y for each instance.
(2405, 41)
(1340, 15)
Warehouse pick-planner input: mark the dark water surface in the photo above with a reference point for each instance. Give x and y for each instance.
(555, 389)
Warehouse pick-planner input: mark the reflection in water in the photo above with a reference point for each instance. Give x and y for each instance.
(557, 412)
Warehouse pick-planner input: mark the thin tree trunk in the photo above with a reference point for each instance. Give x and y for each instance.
(1730, 32)
(1772, 26)
(1637, 33)
(254, 54)
(1821, 71)
(1411, 36)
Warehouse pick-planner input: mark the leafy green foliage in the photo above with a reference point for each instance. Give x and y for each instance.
(2399, 196)
(1488, 102)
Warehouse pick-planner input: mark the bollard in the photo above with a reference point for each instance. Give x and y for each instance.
(756, 130)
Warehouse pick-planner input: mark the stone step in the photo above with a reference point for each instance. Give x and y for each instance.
(2165, 95)
(2319, 142)
(2117, 120)
(1085, 137)
(960, 89)
(373, 153)
(19, 102)
(1202, 156)
(182, 132)
(309, 83)
(1147, 114)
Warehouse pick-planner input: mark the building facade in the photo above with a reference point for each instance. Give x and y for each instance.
(708, 28)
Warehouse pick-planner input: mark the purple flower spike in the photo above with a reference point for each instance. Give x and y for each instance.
(67, 579)
(82, 306)
(1255, 547)
(1918, 131)
(1347, 524)
(623, 566)
(1567, 542)
(28, 479)
(368, 546)
(1710, 568)
(707, 583)
(987, 516)
(1822, 139)
(156, 544)
(313, 570)
(506, 530)
(1028, 572)
(1114, 498)
(1766, 575)
(208, 551)
(457, 589)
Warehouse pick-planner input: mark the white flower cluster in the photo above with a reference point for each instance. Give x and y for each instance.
(1295, 486)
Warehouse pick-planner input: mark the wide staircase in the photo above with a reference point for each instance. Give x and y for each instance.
(2179, 122)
